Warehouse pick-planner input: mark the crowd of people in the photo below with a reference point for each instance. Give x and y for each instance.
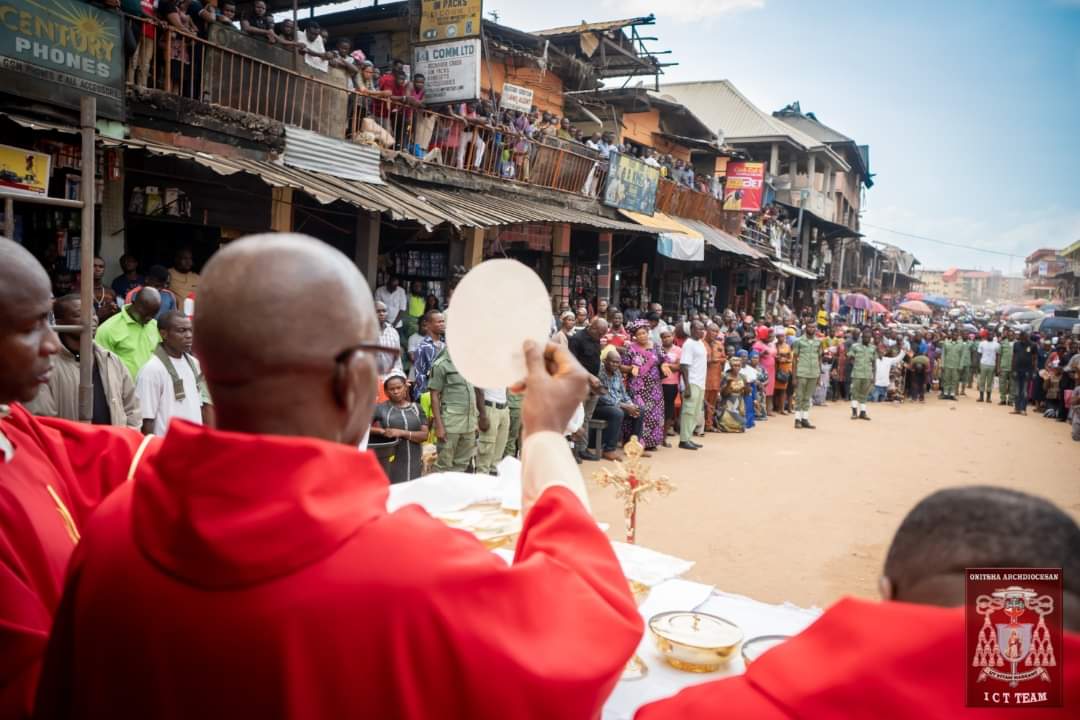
(265, 534)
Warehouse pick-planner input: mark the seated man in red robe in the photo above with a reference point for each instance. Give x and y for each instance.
(253, 571)
(905, 658)
(52, 474)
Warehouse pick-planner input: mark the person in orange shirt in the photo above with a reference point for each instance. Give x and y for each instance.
(714, 349)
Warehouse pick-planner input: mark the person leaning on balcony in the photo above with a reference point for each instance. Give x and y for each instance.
(285, 32)
(258, 23)
(345, 58)
(138, 71)
(314, 47)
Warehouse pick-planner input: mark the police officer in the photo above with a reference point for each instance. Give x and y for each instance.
(807, 357)
(863, 355)
(952, 353)
(454, 414)
(1005, 374)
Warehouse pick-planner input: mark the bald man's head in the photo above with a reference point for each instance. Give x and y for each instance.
(980, 526)
(27, 344)
(276, 312)
(145, 305)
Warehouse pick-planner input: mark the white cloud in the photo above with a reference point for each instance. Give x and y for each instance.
(681, 10)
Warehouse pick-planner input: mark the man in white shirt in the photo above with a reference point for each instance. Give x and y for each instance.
(494, 425)
(388, 337)
(172, 390)
(989, 352)
(315, 54)
(881, 376)
(693, 365)
(393, 296)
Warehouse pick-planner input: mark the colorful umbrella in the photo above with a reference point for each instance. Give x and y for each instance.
(916, 307)
(913, 295)
(877, 308)
(1026, 316)
(937, 300)
(857, 301)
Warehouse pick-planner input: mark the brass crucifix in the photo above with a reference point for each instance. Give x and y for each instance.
(631, 481)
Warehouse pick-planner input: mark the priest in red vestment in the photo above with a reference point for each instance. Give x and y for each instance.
(906, 657)
(52, 474)
(253, 570)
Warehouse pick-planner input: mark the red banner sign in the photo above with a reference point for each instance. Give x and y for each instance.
(744, 186)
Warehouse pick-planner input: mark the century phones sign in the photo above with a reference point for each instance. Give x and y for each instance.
(59, 50)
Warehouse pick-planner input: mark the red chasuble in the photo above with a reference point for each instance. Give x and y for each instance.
(864, 660)
(60, 471)
(246, 576)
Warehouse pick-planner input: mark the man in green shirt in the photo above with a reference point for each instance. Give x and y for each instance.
(807, 357)
(417, 306)
(863, 355)
(132, 334)
(454, 414)
(953, 351)
(1005, 374)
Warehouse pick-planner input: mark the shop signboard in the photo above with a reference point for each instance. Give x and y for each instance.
(744, 186)
(516, 97)
(57, 51)
(24, 171)
(631, 185)
(449, 19)
(451, 70)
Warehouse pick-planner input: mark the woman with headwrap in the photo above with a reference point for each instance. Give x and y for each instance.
(641, 362)
(765, 347)
(733, 391)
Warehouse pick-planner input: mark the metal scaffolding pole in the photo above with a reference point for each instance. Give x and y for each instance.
(87, 122)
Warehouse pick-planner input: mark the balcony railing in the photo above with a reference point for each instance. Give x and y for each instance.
(212, 73)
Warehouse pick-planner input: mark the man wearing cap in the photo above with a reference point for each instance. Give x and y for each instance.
(1004, 366)
(807, 357)
(989, 349)
(863, 355)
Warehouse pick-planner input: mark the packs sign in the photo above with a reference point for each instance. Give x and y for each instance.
(58, 50)
(24, 171)
(451, 70)
(449, 19)
(516, 97)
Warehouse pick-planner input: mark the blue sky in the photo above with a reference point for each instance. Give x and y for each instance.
(971, 108)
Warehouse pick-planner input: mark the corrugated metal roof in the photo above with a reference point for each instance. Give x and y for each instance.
(470, 208)
(430, 206)
(311, 151)
(594, 27)
(723, 241)
(798, 272)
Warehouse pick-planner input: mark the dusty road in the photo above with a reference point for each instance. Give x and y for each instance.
(806, 516)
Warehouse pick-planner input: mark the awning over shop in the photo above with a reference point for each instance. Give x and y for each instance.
(792, 271)
(426, 205)
(471, 208)
(675, 240)
(723, 241)
(832, 229)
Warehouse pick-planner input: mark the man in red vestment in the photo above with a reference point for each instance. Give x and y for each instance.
(906, 657)
(253, 570)
(52, 474)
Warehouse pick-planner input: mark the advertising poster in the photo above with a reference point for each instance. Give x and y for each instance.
(24, 171)
(631, 185)
(451, 69)
(744, 186)
(516, 97)
(59, 50)
(449, 19)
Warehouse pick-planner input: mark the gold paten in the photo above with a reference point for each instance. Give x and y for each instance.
(694, 641)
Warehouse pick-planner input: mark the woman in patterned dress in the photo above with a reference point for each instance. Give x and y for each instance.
(641, 362)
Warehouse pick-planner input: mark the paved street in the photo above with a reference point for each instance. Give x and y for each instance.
(807, 516)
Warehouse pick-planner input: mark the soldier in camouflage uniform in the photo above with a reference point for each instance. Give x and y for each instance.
(806, 355)
(454, 414)
(953, 351)
(965, 363)
(1005, 374)
(863, 355)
